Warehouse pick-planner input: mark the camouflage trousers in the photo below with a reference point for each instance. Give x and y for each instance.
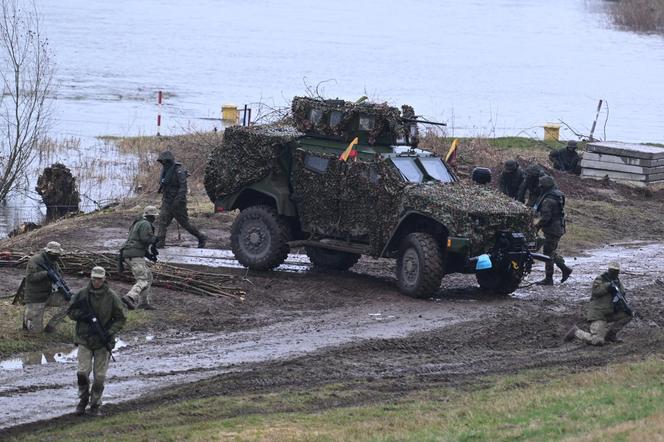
(178, 211)
(95, 361)
(600, 331)
(33, 316)
(140, 291)
(550, 249)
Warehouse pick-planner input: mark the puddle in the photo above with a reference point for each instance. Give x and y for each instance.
(295, 262)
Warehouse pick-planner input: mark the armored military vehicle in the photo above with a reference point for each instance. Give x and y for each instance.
(346, 179)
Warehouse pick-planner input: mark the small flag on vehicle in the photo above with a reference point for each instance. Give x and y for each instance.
(349, 150)
(451, 156)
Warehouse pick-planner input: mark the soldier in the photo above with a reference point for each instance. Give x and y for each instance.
(173, 187)
(39, 292)
(566, 159)
(530, 184)
(510, 179)
(551, 208)
(99, 301)
(606, 312)
(139, 246)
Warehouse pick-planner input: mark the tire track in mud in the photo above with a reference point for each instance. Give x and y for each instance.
(455, 337)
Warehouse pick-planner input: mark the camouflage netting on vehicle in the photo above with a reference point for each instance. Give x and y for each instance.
(470, 211)
(348, 200)
(387, 126)
(246, 155)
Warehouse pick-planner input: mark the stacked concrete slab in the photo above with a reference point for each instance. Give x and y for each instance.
(630, 163)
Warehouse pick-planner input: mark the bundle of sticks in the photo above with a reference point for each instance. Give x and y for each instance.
(172, 277)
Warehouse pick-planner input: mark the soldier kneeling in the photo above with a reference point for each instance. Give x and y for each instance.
(607, 311)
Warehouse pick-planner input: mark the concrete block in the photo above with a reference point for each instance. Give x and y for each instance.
(627, 150)
(586, 172)
(618, 167)
(593, 156)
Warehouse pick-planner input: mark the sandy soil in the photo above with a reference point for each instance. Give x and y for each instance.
(299, 328)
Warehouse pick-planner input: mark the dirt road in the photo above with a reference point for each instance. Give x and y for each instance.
(300, 328)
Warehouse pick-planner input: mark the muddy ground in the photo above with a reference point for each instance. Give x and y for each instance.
(299, 328)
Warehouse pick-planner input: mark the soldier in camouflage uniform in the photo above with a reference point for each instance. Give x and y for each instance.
(567, 159)
(550, 207)
(39, 292)
(97, 299)
(606, 318)
(510, 179)
(530, 185)
(173, 187)
(138, 247)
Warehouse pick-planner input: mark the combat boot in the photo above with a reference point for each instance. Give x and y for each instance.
(202, 240)
(95, 411)
(128, 302)
(80, 408)
(571, 333)
(566, 272)
(548, 280)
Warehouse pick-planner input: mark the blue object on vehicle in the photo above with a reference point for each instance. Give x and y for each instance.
(483, 262)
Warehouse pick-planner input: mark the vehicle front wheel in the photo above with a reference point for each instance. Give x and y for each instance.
(259, 238)
(501, 280)
(331, 259)
(420, 265)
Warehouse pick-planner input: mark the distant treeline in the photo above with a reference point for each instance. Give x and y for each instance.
(638, 15)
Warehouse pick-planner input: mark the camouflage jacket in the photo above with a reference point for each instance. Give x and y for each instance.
(38, 286)
(550, 206)
(174, 184)
(509, 183)
(564, 159)
(108, 309)
(529, 184)
(600, 307)
(141, 235)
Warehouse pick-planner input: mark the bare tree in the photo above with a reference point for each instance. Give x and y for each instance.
(26, 72)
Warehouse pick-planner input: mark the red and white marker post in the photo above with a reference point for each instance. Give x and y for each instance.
(159, 99)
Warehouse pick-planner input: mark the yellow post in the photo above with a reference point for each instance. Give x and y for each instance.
(230, 114)
(551, 132)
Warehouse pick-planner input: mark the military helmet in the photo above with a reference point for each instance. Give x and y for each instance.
(165, 157)
(546, 182)
(150, 211)
(54, 248)
(98, 272)
(614, 265)
(511, 165)
(533, 170)
(571, 144)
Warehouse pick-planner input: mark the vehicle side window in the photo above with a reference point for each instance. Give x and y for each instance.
(316, 164)
(315, 115)
(367, 122)
(335, 118)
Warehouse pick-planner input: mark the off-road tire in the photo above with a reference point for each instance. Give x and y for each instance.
(327, 259)
(420, 265)
(259, 238)
(499, 281)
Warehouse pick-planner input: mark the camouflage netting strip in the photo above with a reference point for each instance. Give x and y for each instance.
(388, 124)
(246, 155)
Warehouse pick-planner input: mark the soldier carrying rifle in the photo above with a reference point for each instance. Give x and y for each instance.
(99, 316)
(44, 287)
(607, 312)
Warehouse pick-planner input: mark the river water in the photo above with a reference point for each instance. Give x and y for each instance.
(486, 67)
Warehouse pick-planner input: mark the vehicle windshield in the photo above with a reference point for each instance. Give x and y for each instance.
(408, 169)
(436, 169)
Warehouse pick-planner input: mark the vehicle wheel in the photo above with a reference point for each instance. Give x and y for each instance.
(420, 265)
(501, 281)
(259, 238)
(331, 259)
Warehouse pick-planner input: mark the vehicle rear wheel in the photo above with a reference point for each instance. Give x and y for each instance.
(331, 259)
(500, 280)
(259, 238)
(420, 265)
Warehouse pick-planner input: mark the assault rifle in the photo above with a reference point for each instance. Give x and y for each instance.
(152, 252)
(98, 329)
(57, 280)
(619, 300)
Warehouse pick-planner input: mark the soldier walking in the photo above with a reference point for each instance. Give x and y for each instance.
(510, 179)
(96, 301)
(39, 292)
(530, 185)
(551, 208)
(173, 187)
(607, 310)
(140, 245)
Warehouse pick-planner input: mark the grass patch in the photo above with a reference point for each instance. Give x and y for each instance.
(623, 401)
